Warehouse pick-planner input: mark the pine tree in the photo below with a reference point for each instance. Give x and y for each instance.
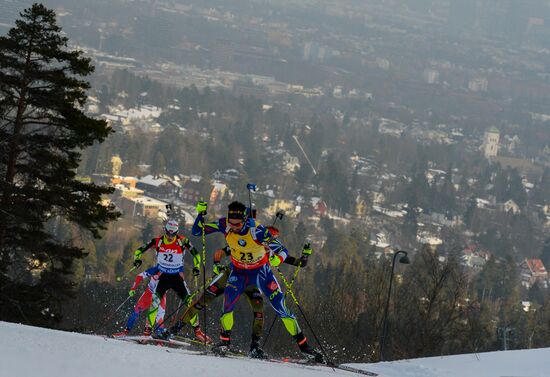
(42, 133)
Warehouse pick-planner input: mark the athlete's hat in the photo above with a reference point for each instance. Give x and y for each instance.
(171, 228)
(236, 210)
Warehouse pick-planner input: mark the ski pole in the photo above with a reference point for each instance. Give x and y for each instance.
(289, 290)
(278, 216)
(119, 278)
(121, 305)
(115, 311)
(295, 274)
(203, 235)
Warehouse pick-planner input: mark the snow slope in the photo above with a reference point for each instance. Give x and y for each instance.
(37, 352)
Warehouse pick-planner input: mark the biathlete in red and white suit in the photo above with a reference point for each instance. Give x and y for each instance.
(170, 249)
(144, 302)
(251, 265)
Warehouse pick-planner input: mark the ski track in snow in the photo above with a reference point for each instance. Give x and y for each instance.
(37, 352)
(27, 351)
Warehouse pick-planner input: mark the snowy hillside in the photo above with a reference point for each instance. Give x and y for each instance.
(36, 352)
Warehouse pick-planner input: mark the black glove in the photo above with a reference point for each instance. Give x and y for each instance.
(303, 260)
(138, 263)
(196, 271)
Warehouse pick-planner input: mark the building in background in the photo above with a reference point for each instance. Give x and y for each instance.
(490, 142)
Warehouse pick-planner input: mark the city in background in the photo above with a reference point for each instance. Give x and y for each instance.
(377, 126)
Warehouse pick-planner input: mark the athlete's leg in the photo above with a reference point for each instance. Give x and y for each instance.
(180, 287)
(256, 301)
(271, 288)
(165, 283)
(156, 316)
(237, 281)
(142, 304)
(214, 290)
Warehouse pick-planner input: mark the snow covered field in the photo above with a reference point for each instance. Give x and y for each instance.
(36, 352)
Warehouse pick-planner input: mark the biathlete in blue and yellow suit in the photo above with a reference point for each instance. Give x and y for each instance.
(250, 265)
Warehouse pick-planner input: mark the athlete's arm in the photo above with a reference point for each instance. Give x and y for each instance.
(144, 248)
(274, 245)
(213, 227)
(302, 262)
(194, 252)
(145, 274)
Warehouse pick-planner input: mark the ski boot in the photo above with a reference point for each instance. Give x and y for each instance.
(147, 331)
(161, 333)
(124, 332)
(222, 348)
(312, 354)
(201, 336)
(309, 352)
(174, 330)
(255, 351)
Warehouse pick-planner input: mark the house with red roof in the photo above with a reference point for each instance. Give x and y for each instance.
(533, 271)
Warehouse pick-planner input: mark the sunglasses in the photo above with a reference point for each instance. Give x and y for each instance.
(238, 223)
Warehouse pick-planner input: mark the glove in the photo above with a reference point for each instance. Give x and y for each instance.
(132, 292)
(202, 207)
(196, 262)
(196, 271)
(275, 260)
(218, 268)
(307, 250)
(137, 258)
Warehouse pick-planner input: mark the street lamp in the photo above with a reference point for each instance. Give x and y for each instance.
(405, 260)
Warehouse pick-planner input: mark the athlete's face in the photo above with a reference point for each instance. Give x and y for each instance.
(170, 237)
(235, 225)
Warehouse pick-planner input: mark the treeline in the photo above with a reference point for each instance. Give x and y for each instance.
(436, 306)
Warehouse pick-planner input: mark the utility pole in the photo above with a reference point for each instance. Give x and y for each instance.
(503, 333)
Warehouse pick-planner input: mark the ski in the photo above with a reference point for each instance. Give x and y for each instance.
(187, 343)
(149, 340)
(335, 366)
(354, 370)
(299, 362)
(208, 347)
(194, 342)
